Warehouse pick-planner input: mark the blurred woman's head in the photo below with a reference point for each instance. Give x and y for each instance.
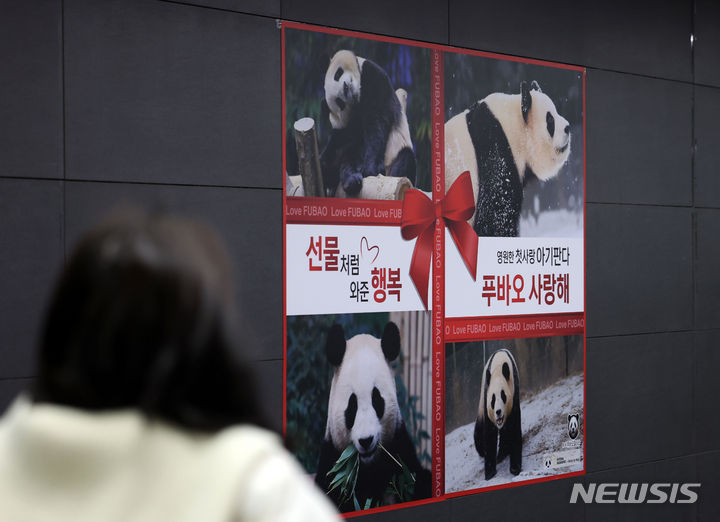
(143, 317)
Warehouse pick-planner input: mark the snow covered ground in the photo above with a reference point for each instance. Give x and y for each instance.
(552, 223)
(544, 427)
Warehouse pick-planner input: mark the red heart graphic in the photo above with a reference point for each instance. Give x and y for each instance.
(366, 249)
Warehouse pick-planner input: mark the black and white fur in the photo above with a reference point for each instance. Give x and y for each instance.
(370, 133)
(502, 140)
(363, 411)
(499, 414)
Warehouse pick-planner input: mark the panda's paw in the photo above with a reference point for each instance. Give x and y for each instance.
(352, 183)
(490, 473)
(515, 470)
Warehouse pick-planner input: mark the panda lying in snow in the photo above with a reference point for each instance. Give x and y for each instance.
(363, 411)
(370, 133)
(501, 139)
(499, 414)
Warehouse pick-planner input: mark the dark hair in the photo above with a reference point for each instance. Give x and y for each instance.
(143, 317)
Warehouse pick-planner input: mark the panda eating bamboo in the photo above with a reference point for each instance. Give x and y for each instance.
(363, 412)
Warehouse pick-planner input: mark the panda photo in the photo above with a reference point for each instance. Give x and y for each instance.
(370, 133)
(518, 129)
(484, 418)
(363, 413)
(504, 140)
(573, 426)
(499, 415)
(370, 106)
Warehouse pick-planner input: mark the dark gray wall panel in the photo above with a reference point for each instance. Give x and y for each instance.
(31, 253)
(635, 385)
(260, 7)
(166, 92)
(707, 276)
(521, 503)
(707, 154)
(642, 37)
(10, 389)
(707, 43)
(639, 269)
(680, 470)
(637, 153)
(418, 19)
(249, 222)
(30, 89)
(523, 27)
(706, 422)
(269, 384)
(708, 508)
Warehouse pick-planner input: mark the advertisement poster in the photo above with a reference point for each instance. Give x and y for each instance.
(434, 268)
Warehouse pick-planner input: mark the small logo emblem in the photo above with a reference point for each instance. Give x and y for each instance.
(573, 425)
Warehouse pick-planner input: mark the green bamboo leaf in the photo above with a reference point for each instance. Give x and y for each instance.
(337, 467)
(349, 451)
(342, 460)
(350, 478)
(338, 480)
(357, 470)
(340, 475)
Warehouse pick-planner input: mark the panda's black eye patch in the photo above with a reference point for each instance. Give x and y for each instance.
(378, 403)
(550, 124)
(506, 371)
(492, 401)
(351, 411)
(503, 396)
(338, 73)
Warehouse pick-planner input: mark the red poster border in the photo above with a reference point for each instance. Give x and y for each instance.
(437, 91)
(438, 298)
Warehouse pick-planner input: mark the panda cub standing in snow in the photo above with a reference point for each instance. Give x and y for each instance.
(499, 414)
(502, 140)
(363, 411)
(370, 133)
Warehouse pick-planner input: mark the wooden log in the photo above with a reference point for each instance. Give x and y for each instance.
(294, 186)
(308, 157)
(380, 187)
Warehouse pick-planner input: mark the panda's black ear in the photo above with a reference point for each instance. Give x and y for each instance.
(569, 417)
(526, 100)
(535, 86)
(391, 341)
(335, 347)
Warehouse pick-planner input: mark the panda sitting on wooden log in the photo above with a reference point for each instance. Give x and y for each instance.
(370, 133)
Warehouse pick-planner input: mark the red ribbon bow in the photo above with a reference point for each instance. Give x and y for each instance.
(418, 219)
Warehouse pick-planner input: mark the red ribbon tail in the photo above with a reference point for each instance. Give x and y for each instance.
(420, 264)
(467, 244)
